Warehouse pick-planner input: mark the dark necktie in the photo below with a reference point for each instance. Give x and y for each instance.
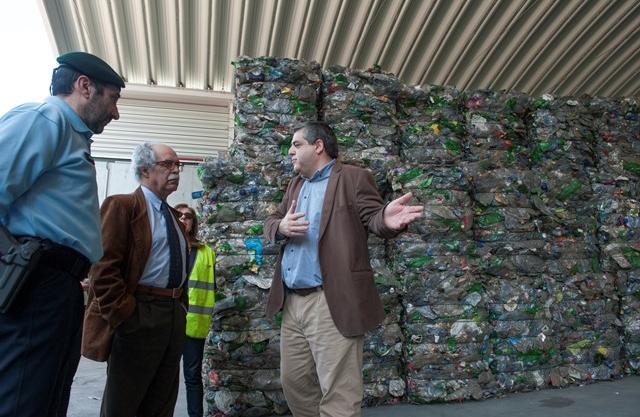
(175, 257)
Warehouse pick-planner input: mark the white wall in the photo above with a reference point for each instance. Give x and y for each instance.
(116, 177)
(194, 123)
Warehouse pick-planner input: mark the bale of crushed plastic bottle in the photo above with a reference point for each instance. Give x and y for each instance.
(443, 191)
(241, 176)
(431, 258)
(431, 125)
(617, 142)
(507, 242)
(562, 153)
(271, 69)
(622, 258)
(382, 349)
(429, 102)
(496, 114)
(242, 350)
(382, 366)
(266, 128)
(357, 135)
(566, 204)
(446, 340)
(630, 317)
(227, 402)
(272, 98)
(277, 97)
(496, 143)
(368, 95)
(360, 107)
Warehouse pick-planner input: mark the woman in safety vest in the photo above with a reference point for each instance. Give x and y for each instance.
(201, 300)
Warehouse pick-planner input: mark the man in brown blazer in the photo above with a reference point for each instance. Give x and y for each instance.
(323, 280)
(136, 314)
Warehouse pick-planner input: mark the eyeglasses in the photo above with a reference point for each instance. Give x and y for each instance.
(187, 216)
(169, 164)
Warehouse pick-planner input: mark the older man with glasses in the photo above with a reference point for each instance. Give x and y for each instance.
(137, 307)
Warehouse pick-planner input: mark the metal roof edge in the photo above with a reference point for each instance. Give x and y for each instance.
(176, 95)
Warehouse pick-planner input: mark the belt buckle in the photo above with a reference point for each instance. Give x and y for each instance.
(176, 292)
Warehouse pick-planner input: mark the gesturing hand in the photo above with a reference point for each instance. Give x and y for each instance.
(290, 226)
(397, 214)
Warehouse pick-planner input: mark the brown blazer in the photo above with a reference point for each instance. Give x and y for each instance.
(126, 237)
(352, 207)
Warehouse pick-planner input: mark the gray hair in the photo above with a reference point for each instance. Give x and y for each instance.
(143, 157)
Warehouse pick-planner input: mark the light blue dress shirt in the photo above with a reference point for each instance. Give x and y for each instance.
(301, 263)
(48, 178)
(156, 271)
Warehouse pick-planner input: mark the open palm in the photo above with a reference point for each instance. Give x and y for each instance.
(398, 214)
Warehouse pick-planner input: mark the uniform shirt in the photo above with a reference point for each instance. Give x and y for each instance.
(156, 271)
(48, 178)
(300, 263)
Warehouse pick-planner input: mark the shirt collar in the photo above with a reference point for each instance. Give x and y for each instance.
(75, 120)
(152, 198)
(322, 173)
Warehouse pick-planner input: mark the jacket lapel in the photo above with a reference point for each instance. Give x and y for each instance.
(297, 186)
(329, 198)
(141, 229)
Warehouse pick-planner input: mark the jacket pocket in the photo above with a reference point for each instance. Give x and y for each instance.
(362, 275)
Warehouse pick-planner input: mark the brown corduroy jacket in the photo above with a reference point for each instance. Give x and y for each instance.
(352, 207)
(126, 237)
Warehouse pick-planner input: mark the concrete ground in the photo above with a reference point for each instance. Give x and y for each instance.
(88, 384)
(609, 399)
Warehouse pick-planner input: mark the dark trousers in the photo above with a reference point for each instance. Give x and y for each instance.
(192, 369)
(143, 369)
(40, 345)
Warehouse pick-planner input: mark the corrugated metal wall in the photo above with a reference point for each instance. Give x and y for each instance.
(196, 124)
(560, 47)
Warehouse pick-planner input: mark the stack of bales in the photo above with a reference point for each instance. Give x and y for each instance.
(524, 270)
(508, 251)
(382, 371)
(443, 324)
(618, 200)
(273, 97)
(562, 140)
(242, 352)
(360, 108)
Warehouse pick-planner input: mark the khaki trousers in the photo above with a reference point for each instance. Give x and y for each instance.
(321, 370)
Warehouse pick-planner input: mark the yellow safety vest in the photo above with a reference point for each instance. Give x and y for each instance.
(201, 293)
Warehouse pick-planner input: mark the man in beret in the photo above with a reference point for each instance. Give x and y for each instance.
(48, 190)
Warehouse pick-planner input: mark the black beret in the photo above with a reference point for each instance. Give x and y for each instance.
(91, 66)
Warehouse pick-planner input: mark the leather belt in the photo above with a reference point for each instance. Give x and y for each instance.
(303, 292)
(66, 259)
(161, 292)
